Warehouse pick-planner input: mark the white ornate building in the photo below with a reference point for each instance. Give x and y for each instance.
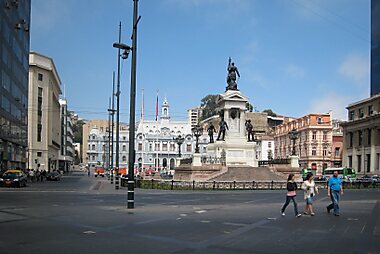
(155, 144)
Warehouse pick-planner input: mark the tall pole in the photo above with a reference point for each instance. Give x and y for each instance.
(118, 112)
(112, 123)
(109, 139)
(131, 161)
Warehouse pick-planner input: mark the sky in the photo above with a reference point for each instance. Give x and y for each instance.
(295, 56)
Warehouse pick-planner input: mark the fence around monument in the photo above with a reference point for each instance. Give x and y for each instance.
(234, 185)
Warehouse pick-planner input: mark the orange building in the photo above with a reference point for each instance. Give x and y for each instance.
(314, 143)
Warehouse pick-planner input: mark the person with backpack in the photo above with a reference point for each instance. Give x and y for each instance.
(291, 186)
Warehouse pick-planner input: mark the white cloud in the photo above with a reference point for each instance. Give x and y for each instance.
(295, 71)
(330, 102)
(356, 68)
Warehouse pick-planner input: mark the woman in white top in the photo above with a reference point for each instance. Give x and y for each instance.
(310, 190)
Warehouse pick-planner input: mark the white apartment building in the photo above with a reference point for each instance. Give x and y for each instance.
(266, 148)
(67, 152)
(44, 123)
(194, 114)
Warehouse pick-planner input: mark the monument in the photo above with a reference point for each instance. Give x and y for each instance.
(233, 128)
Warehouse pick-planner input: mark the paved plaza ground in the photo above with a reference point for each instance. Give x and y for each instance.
(84, 214)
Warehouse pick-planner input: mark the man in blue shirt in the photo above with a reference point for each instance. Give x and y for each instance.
(334, 190)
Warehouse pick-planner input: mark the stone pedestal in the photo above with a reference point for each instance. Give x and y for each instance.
(197, 160)
(235, 147)
(294, 161)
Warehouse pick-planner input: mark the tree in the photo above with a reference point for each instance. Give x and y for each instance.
(249, 106)
(269, 112)
(78, 131)
(209, 106)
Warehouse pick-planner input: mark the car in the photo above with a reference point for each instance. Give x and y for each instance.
(16, 178)
(53, 176)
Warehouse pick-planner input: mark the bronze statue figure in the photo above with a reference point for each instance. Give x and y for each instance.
(249, 129)
(222, 130)
(210, 130)
(231, 78)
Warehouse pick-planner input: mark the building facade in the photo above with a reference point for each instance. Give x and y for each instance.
(98, 148)
(44, 123)
(265, 149)
(67, 152)
(156, 147)
(194, 115)
(14, 66)
(361, 134)
(314, 142)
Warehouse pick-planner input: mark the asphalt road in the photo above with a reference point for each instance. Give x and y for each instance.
(84, 214)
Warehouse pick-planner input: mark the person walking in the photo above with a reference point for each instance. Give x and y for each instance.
(310, 190)
(291, 186)
(334, 190)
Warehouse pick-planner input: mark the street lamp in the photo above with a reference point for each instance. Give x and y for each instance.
(197, 132)
(126, 49)
(293, 135)
(179, 140)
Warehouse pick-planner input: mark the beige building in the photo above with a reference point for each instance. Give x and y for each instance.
(44, 124)
(314, 142)
(361, 134)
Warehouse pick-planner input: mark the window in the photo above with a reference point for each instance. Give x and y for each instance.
(314, 151)
(150, 147)
(351, 115)
(314, 137)
(124, 158)
(368, 162)
(124, 148)
(124, 138)
(325, 135)
(350, 161)
(324, 152)
(139, 147)
(188, 147)
(40, 76)
(172, 147)
(164, 147)
(39, 132)
(361, 112)
(93, 157)
(320, 120)
(360, 136)
(351, 138)
(337, 150)
(269, 144)
(370, 110)
(39, 154)
(93, 147)
(157, 146)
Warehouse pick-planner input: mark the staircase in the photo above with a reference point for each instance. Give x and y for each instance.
(247, 173)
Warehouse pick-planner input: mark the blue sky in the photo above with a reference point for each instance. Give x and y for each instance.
(294, 56)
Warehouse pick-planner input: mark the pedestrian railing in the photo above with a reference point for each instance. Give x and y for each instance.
(234, 185)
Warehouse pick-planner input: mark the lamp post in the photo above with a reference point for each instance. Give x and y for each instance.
(126, 49)
(293, 135)
(197, 132)
(132, 109)
(179, 140)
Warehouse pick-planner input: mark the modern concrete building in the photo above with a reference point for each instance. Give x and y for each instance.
(44, 123)
(14, 67)
(194, 115)
(314, 143)
(67, 153)
(361, 134)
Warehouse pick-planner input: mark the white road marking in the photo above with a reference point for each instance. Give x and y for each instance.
(201, 211)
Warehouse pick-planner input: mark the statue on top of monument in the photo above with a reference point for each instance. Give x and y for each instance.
(249, 129)
(231, 78)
